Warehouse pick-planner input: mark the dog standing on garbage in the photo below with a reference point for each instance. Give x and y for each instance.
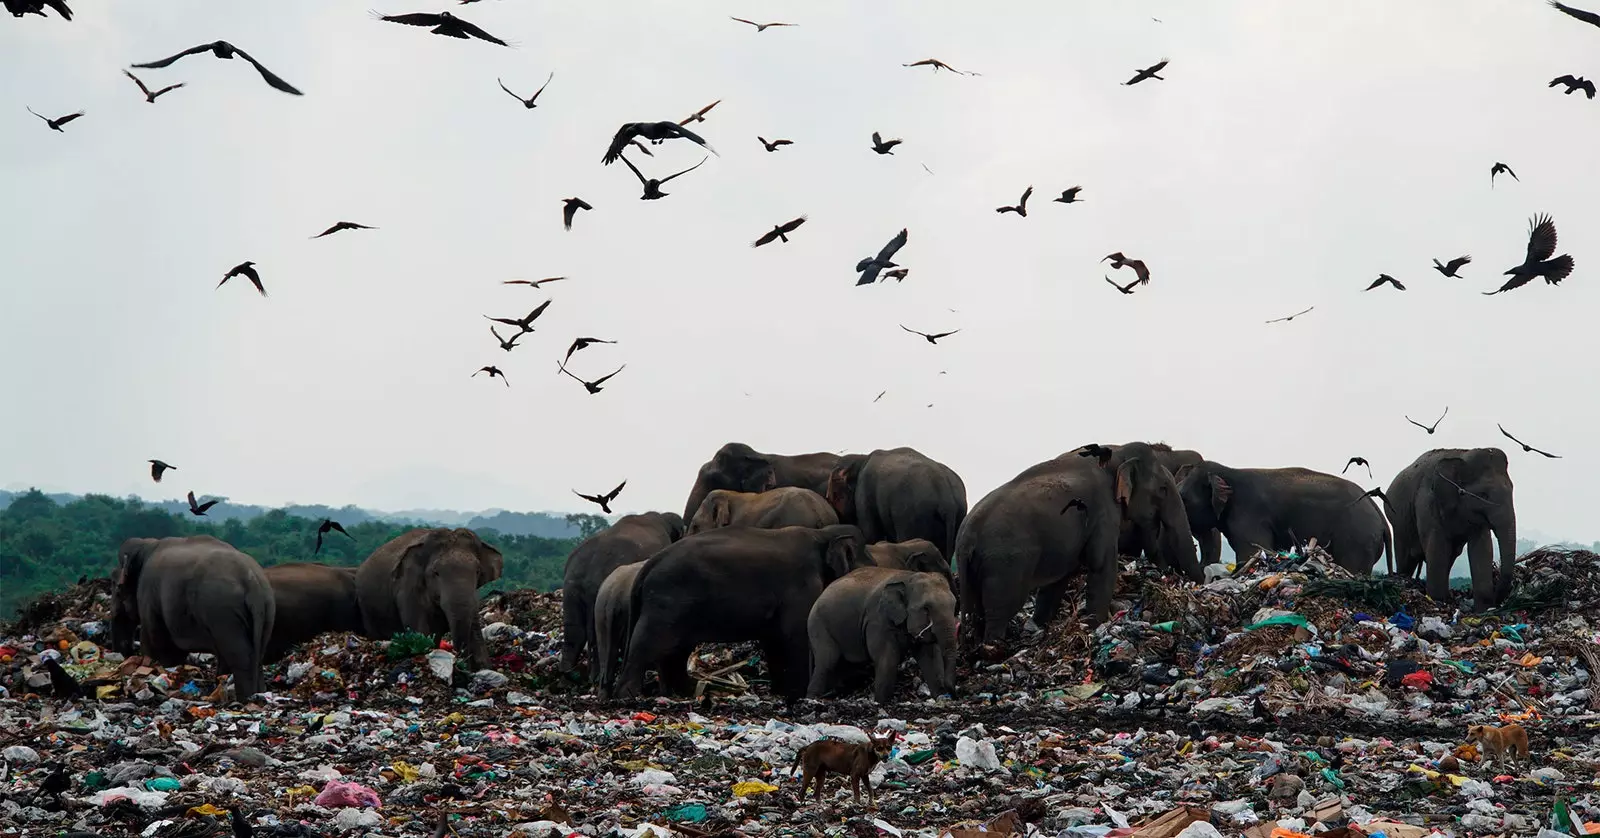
(850, 758)
(1497, 740)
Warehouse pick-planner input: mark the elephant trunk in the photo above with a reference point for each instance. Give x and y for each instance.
(460, 606)
(123, 629)
(697, 495)
(944, 632)
(1504, 524)
(1175, 542)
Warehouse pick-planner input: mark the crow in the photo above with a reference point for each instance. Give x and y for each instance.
(1021, 208)
(592, 386)
(760, 27)
(523, 323)
(62, 684)
(226, 51)
(199, 508)
(1525, 446)
(57, 781)
(652, 186)
(1069, 196)
(882, 146)
(248, 271)
(1139, 268)
(933, 339)
(1574, 83)
(1383, 278)
(1461, 491)
(241, 825)
(1126, 289)
(1148, 73)
(1097, 451)
(780, 232)
(529, 102)
(150, 96)
(443, 23)
(55, 124)
(870, 266)
(1587, 17)
(570, 209)
(603, 500)
(329, 525)
(1497, 169)
(507, 345)
(1449, 268)
(157, 468)
(1537, 263)
(1358, 461)
(1290, 317)
(699, 115)
(937, 65)
(342, 226)
(656, 132)
(1431, 428)
(582, 343)
(493, 371)
(18, 8)
(775, 144)
(1075, 503)
(533, 283)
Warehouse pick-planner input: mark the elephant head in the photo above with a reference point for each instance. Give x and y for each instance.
(1151, 503)
(844, 550)
(926, 611)
(841, 492)
(1473, 491)
(1205, 496)
(715, 512)
(439, 572)
(131, 557)
(673, 522)
(735, 466)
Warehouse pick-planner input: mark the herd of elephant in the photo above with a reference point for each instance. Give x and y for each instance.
(831, 562)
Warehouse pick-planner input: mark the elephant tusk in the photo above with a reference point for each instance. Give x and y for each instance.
(925, 629)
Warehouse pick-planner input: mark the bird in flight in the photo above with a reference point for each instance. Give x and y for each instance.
(882, 146)
(507, 345)
(1021, 208)
(248, 271)
(775, 144)
(18, 8)
(1449, 268)
(493, 371)
(652, 187)
(582, 343)
(523, 323)
(157, 468)
(151, 96)
(1525, 446)
(656, 132)
(1385, 278)
(1290, 317)
(933, 339)
(1126, 289)
(528, 103)
(1358, 461)
(443, 23)
(570, 207)
(604, 500)
(342, 226)
(1069, 196)
(1574, 83)
(1587, 17)
(226, 51)
(533, 283)
(1075, 503)
(1148, 73)
(199, 508)
(879, 396)
(780, 232)
(760, 27)
(1460, 491)
(55, 124)
(700, 115)
(1537, 263)
(937, 65)
(329, 525)
(1120, 261)
(1499, 168)
(1431, 428)
(592, 386)
(872, 265)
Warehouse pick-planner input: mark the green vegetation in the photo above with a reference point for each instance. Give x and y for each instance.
(46, 545)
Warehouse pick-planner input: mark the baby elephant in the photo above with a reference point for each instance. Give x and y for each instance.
(787, 506)
(851, 759)
(917, 554)
(877, 615)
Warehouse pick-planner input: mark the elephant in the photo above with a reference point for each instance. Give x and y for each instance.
(785, 506)
(194, 594)
(1060, 517)
(427, 580)
(1179, 461)
(741, 468)
(876, 615)
(731, 585)
(897, 495)
(311, 599)
(1277, 508)
(1451, 498)
(611, 625)
(633, 538)
(918, 554)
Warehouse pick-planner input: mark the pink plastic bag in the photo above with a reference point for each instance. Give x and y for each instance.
(336, 794)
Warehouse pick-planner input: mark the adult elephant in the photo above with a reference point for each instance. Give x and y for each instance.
(785, 506)
(1451, 498)
(1277, 508)
(732, 585)
(611, 618)
(741, 468)
(311, 599)
(876, 615)
(1062, 517)
(899, 494)
(194, 594)
(1179, 461)
(633, 538)
(427, 580)
(918, 554)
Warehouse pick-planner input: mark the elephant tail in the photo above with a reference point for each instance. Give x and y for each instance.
(969, 590)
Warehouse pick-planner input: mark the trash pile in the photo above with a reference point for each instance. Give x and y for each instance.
(1288, 699)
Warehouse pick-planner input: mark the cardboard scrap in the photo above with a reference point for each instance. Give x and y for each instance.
(1172, 823)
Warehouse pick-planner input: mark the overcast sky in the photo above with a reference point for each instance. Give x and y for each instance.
(1295, 152)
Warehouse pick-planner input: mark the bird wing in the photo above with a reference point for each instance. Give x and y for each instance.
(328, 232)
(690, 135)
(1415, 422)
(1513, 283)
(913, 331)
(267, 75)
(742, 20)
(1396, 283)
(791, 142)
(504, 320)
(924, 62)
(554, 278)
(415, 19)
(191, 499)
(40, 115)
(1567, 79)
(1158, 67)
(543, 86)
(207, 505)
(1026, 194)
(636, 172)
(534, 315)
(137, 81)
(568, 373)
(1375, 284)
(567, 212)
(1140, 270)
(688, 170)
(1588, 88)
(68, 118)
(589, 498)
(168, 60)
(620, 141)
(599, 381)
(476, 32)
(1119, 288)
(496, 334)
(1580, 14)
(944, 334)
(790, 227)
(334, 525)
(612, 495)
(1541, 239)
(766, 238)
(876, 138)
(508, 90)
(1457, 262)
(1508, 435)
(894, 245)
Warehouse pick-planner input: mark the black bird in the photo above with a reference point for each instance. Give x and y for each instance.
(1431, 428)
(1574, 83)
(523, 323)
(225, 50)
(656, 132)
(933, 339)
(775, 144)
(1148, 73)
(157, 468)
(582, 343)
(1537, 263)
(1075, 503)
(55, 124)
(1525, 446)
(872, 265)
(699, 115)
(342, 226)
(1358, 461)
(1587, 17)
(760, 27)
(1022, 206)
(570, 209)
(937, 65)
(1499, 168)
(529, 102)
(1139, 268)
(18, 8)
(1097, 451)
(533, 283)
(443, 23)
(149, 95)
(329, 525)
(241, 825)
(652, 187)
(1449, 268)
(780, 232)
(1290, 317)
(603, 500)
(199, 508)
(1126, 289)
(1385, 278)
(493, 371)
(62, 684)
(507, 345)
(1461, 491)
(57, 781)
(248, 271)
(882, 146)
(592, 386)
(1069, 196)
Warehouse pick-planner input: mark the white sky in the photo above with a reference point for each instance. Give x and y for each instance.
(1296, 151)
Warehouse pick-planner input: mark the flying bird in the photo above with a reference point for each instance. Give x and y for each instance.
(523, 323)
(872, 265)
(443, 23)
(1119, 261)
(1460, 491)
(1358, 461)
(157, 468)
(1385, 278)
(699, 115)
(592, 386)
(507, 345)
(760, 27)
(1537, 263)
(1075, 503)
(933, 339)
(329, 525)
(1449, 268)
(656, 132)
(226, 51)
(196, 508)
(493, 371)
(1574, 83)
(1587, 17)
(780, 232)
(1525, 446)
(937, 65)
(569, 209)
(1290, 317)
(533, 283)
(1499, 168)
(1021, 208)
(528, 103)
(879, 396)
(151, 96)
(603, 500)
(897, 274)
(582, 343)
(55, 124)
(1126, 289)
(775, 144)
(1148, 73)
(248, 271)
(18, 8)
(882, 146)
(652, 187)
(1431, 428)
(1069, 196)
(342, 226)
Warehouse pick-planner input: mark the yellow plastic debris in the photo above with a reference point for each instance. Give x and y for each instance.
(749, 788)
(206, 809)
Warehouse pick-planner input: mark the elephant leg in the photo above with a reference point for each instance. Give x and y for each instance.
(646, 645)
(930, 665)
(1439, 557)
(824, 658)
(885, 655)
(796, 648)
(1047, 602)
(1099, 561)
(577, 634)
(1002, 599)
(673, 669)
(1480, 558)
(1210, 547)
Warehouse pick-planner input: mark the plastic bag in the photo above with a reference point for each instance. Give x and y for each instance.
(978, 754)
(337, 793)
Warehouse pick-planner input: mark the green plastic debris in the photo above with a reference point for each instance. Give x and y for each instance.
(1168, 626)
(1561, 818)
(1333, 777)
(687, 813)
(1280, 620)
(162, 784)
(918, 757)
(95, 781)
(409, 644)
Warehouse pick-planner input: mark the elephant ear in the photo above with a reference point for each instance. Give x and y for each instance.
(1221, 493)
(721, 511)
(838, 493)
(130, 561)
(490, 563)
(928, 561)
(892, 603)
(841, 555)
(675, 526)
(1182, 472)
(1125, 483)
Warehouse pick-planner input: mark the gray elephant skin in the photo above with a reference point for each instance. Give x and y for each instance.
(785, 506)
(427, 580)
(732, 585)
(1062, 517)
(1178, 461)
(311, 599)
(194, 594)
(877, 615)
(1433, 520)
(899, 494)
(633, 538)
(1274, 507)
(918, 554)
(611, 618)
(741, 468)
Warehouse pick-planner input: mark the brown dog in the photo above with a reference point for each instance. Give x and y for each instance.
(849, 758)
(1496, 741)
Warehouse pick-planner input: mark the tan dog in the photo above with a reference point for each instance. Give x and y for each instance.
(849, 758)
(1496, 741)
